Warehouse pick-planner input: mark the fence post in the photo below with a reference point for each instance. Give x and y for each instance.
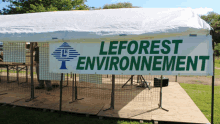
(176, 78)
(75, 88)
(32, 76)
(73, 92)
(61, 87)
(113, 92)
(161, 85)
(32, 71)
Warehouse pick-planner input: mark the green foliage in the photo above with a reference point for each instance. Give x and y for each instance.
(217, 62)
(214, 20)
(217, 46)
(118, 5)
(32, 6)
(93, 8)
(211, 18)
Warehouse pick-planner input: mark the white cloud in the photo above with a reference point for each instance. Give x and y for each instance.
(202, 11)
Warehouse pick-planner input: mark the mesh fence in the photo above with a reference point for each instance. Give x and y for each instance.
(15, 76)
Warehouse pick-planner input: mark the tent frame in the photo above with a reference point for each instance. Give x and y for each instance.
(212, 32)
(113, 84)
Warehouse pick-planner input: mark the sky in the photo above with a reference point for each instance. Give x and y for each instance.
(202, 7)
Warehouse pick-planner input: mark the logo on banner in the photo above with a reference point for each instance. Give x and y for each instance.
(65, 53)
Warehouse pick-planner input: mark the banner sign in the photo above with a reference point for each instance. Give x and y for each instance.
(170, 56)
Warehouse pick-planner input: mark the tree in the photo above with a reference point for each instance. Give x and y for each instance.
(31, 6)
(213, 19)
(119, 5)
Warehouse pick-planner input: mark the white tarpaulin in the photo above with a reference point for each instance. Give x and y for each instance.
(185, 55)
(111, 24)
(84, 31)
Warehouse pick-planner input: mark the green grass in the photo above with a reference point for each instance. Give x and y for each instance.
(201, 95)
(217, 63)
(18, 115)
(217, 73)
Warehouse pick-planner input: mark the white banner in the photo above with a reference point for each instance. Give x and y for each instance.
(189, 55)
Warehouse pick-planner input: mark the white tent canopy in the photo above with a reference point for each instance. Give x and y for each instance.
(127, 23)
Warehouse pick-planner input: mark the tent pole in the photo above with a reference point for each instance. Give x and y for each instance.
(75, 91)
(176, 78)
(131, 80)
(75, 88)
(160, 105)
(213, 80)
(72, 88)
(61, 87)
(32, 78)
(112, 94)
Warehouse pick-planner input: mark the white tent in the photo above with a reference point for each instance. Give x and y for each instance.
(115, 24)
(127, 23)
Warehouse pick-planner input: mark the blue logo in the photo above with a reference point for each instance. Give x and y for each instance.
(65, 53)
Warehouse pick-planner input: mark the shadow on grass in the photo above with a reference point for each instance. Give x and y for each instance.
(9, 115)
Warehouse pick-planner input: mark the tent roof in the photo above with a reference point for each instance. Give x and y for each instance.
(101, 24)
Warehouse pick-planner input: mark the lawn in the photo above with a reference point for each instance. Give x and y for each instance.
(201, 95)
(18, 115)
(217, 71)
(217, 62)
